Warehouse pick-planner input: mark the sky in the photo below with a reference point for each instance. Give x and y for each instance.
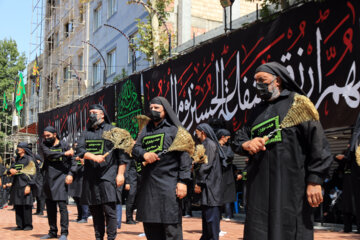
(15, 23)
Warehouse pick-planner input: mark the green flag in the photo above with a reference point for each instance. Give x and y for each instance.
(20, 92)
(5, 107)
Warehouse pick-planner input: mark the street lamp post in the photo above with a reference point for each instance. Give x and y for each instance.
(225, 4)
(105, 70)
(131, 47)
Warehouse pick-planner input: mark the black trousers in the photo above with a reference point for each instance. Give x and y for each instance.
(100, 213)
(6, 196)
(79, 208)
(23, 216)
(51, 208)
(40, 204)
(130, 202)
(210, 223)
(161, 231)
(356, 191)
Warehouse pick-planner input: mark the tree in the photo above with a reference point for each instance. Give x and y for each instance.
(153, 34)
(268, 7)
(11, 63)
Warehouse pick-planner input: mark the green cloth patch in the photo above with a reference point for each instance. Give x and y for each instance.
(56, 159)
(19, 167)
(153, 143)
(264, 128)
(95, 146)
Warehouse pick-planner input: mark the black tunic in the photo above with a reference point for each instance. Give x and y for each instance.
(39, 179)
(277, 207)
(131, 174)
(20, 181)
(228, 179)
(156, 198)
(75, 188)
(99, 179)
(209, 176)
(56, 167)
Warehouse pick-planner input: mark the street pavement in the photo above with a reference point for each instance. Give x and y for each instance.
(191, 229)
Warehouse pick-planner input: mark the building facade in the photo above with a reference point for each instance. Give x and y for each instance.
(112, 27)
(64, 71)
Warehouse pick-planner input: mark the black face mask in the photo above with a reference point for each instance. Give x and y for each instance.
(197, 140)
(262, 90)
(155, 116)
(49, 141)
(93, 119)
(17, 152)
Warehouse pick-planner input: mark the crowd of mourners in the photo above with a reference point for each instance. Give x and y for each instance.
(285, 180)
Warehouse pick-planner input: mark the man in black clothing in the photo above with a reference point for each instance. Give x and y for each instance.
(102, 175)
(351, 181)
(21, 187)
(38, 186)
(164, 177)
(285, 173)
(229, 195)
(209, 183)
(59, 168)
(130, 190)
(6, 181)
(75, 189)
(2, 170)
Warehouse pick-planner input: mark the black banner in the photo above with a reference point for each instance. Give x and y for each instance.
(129, 105)
(71, 120)
(317, 42)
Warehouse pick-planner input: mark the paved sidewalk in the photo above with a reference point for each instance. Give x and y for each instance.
(191, 229)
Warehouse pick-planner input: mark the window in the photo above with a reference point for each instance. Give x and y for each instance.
(96, 73)
(55, 80)
(130, 51)
(33, 87)
(49, 85)
(67, 73)
(50, 42)
(80, 62)
(111, 62)
(31, 116)
(97, 18)
(56, 39)
(68, 28)
(111, 7)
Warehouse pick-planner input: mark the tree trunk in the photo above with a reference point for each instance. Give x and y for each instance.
(155, 32)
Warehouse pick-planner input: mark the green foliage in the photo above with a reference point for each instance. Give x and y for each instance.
(269, 7)
(144, 41)
(11, 63)
(121, 76)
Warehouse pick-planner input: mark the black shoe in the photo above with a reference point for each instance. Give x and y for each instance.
(28, 228)
(48, 236)
(63, 237)
(130, 222)
(17, 228)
